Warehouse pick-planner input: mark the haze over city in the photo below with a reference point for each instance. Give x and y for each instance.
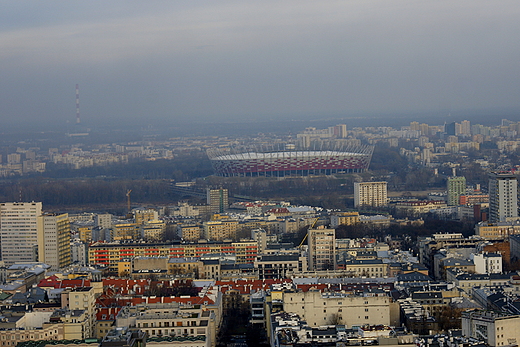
(204, 61)
(259, 173)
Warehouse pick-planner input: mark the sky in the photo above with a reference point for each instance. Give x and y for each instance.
(209, 60)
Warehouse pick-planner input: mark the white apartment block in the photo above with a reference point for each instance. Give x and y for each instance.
(503, 197)
(319, 309)
(487, 263)
(370, 194)
(19, 230)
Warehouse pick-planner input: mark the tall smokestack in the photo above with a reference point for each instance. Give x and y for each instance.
(77, 104)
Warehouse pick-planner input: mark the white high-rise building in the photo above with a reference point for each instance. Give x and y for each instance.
(465, 128)
(370, 194)
(19, 230)
(503, 197)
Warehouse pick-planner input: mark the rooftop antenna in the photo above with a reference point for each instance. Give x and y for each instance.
(77, 104)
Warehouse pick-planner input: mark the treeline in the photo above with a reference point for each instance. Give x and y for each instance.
(102, 186)
(83, 192)
(182, 167)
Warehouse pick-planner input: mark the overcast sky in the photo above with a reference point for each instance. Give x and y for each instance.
(178, 60)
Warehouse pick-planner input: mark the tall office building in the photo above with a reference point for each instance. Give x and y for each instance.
(322, 249)
(54, 241)
(465, 128)
(339, 131)
(373, 194)
(19, 230)
(414, 126)
(450, 128)
(217, 199)
(503, 197)
(456, 187)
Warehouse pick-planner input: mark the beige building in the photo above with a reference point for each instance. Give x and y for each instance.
(171, 319)
(373, 194)
(322, 249)
(54, 241)
(344, 218)
(190, 232)
(419, 207)
(334, 308)
(492, 327)
(372, 268)
(153, 230)
(49, 332)
(500, 230)
(85, 233)
(220, 230)
(142, 216)
(81, 299)
(126, 231)
(76, 323)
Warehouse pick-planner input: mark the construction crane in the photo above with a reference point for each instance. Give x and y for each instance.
(307, 234)
(128, 205)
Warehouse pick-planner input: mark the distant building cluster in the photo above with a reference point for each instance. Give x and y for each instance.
(295, 275)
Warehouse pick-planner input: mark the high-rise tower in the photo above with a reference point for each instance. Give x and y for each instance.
(77, 104)
(456, 188)
(503, 197)
(19, 230)
(218, 199)
(373, 194)
(54, 240)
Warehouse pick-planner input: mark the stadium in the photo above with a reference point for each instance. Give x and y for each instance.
(280, 160)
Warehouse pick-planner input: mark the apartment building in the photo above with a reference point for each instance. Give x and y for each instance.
(456, 187)
(171, 319)
(19, 229)
(499, 230)
(218, 200)
(322, 249)
(494, 328)
(220, 230)
(279, 266)
(81, 299)
(153, 230)
(190, 232)
(328, 308)
(372, 194)
(344, 218)
(503, 197)
(54, 241)
(110, 254)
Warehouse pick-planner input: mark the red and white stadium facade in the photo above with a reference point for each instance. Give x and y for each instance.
(289, 162)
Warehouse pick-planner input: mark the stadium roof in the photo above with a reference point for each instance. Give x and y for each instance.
(285, 154)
